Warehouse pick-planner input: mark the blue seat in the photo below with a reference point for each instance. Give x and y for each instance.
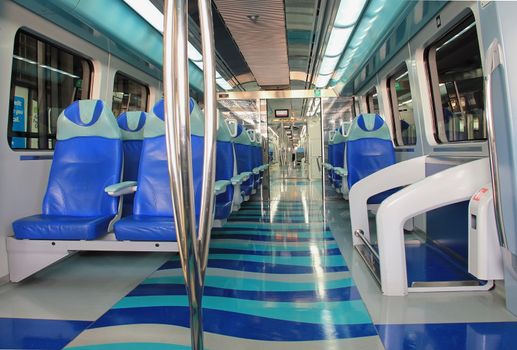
(256, 149)
(338, 156)
(87, 158)
(224, 170)
(369, 149)
(153, 215)
(132, 129)
(330, 155)
(243, 154)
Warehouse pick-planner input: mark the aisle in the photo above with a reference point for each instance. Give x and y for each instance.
(276, 280)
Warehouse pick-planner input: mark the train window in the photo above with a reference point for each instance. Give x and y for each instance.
(45, 79)
(356, 109)
(402, 107)
(129, 95)
(372, 101)
(456, 75)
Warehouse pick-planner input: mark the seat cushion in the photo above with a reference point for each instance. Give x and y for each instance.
(61, 227)
(146, 228)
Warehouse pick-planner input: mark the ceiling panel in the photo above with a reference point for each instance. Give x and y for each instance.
(262, 42)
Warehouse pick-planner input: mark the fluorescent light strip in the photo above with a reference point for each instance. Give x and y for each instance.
(346, 19)
(46, 67)
(456, 36)
(154, 17)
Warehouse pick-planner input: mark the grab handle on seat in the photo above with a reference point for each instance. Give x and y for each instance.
(494, 59)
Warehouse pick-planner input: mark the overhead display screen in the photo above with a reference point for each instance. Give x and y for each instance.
(281, 113)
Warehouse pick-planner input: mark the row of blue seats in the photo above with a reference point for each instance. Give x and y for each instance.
(98, 159)
(358, 149)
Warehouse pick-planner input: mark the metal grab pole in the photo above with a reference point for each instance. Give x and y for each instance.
(193, 248)
(493, 60)
(211, 123)
(179, 157)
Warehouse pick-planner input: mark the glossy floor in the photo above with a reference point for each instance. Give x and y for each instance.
(277, 279)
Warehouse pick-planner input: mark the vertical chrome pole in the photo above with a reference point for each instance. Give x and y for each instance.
(211, 123)
(177, 127)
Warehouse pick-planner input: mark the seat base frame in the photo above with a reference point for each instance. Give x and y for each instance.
(26, 257)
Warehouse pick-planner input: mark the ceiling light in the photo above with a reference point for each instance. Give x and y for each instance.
(346, 18)
(368, 32)
(253, 18)
(154, 17)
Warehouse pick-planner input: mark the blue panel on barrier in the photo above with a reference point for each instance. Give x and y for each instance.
(19, 333)
(448, 227)
(427, 263)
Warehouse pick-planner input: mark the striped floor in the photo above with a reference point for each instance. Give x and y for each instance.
(276, 280)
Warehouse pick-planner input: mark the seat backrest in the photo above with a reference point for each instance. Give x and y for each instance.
(131, 126)
(338, 148)
(224, 152)
(153, 196)
(87, 158)
(243, 150)
(225, 166)
(369, 147)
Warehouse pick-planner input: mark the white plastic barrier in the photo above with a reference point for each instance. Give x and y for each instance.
(422, 195)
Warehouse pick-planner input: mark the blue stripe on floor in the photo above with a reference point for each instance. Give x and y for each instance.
(326, 252)
(237, 324)
(258, 284)
(280, 237)
(304, 296)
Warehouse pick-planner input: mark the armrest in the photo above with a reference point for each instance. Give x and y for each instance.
(121, 188)
(220, 186)
(341, 171)
(397, 175)
(256, 170)
(240, 178)
(327, 166)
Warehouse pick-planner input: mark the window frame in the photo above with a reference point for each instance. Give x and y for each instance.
(134, 80)
(369, 96)
(393, 103)
(13, 84)
(433, 81)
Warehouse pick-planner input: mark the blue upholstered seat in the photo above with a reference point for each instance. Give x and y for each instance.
(243, 154)
(330, 154)
(338, 156)
(87, 158)
(132, 129)
(256, 149)
(224, 170)
(152, 218)
(369, 149)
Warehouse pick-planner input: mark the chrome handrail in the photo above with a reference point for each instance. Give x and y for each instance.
(193, 247)
(493, 60)
(318, 162)
(211, 123)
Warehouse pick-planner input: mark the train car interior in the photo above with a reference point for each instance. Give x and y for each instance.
(275, 174)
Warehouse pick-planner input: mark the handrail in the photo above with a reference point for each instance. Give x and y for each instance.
(193, 247)
(318, 162)
(493, 60)
(211, 123)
